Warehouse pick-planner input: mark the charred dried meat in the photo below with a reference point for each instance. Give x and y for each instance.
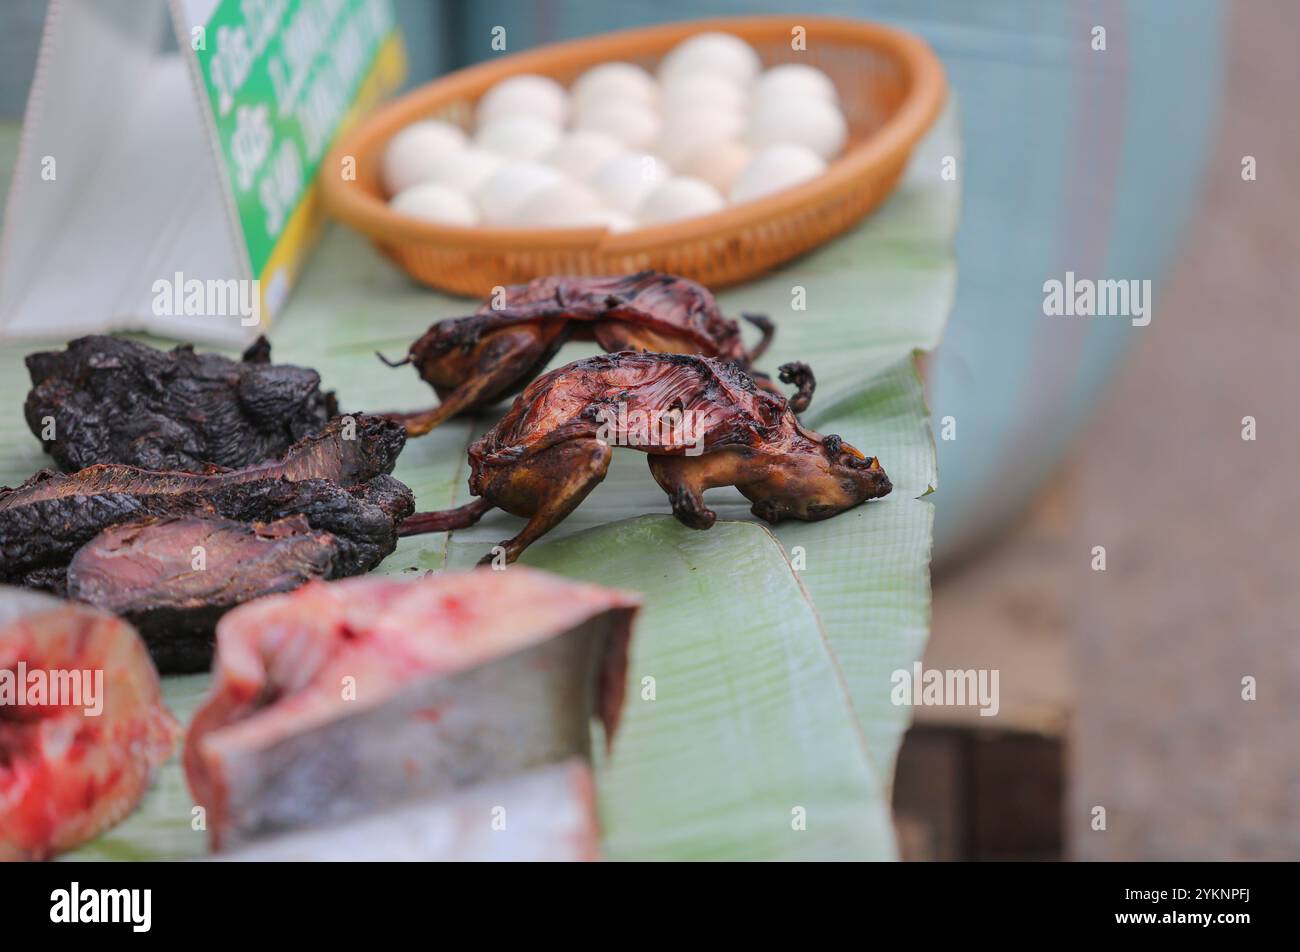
(337, 481)
(109, 400)
(473, 361)
(455, 679)
(703, 422)
(174, 577)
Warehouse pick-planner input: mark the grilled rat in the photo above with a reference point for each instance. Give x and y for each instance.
(702, 421)
(473, 361)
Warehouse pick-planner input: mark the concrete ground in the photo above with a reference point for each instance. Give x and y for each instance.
(1141, 667)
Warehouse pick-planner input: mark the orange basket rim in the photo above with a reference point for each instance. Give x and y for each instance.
(369, 213)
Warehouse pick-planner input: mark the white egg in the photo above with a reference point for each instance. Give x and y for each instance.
(775, 169)
(796, 80)
(518, 137)
(693, 90)
(625, 180)
(579, 154)
(685, 132)
(605, 217)
(720, 53)
(615, 81)
(465, 169)
(634, 125)
(413, 150)
(679, 198)
(619, 223)
(526, 95)
(506, 190)
(717, 163)
(814, 123)
(565, 204)
(430, 201)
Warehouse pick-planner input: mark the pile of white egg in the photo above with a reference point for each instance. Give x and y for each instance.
(622, 148)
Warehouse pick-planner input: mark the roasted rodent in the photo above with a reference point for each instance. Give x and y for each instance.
(473, 361)
(703, 422)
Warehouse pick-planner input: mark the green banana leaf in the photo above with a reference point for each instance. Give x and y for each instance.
(759, 723)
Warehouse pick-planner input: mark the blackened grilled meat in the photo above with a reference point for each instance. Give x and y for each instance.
(338, 480)
(119, 401)
(363, 519)
(349, 450)
(174, 577)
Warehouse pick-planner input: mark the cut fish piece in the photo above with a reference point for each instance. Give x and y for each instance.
(82, 723)
(543, 815)
(342, 697)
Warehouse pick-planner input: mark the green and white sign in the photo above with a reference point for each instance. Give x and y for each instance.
(280, 76)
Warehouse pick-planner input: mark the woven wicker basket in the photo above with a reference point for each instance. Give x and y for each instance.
(891, 87)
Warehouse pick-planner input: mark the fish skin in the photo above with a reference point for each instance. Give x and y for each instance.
(549, 813)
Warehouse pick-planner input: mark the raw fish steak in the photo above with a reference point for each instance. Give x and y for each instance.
(346, 696)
